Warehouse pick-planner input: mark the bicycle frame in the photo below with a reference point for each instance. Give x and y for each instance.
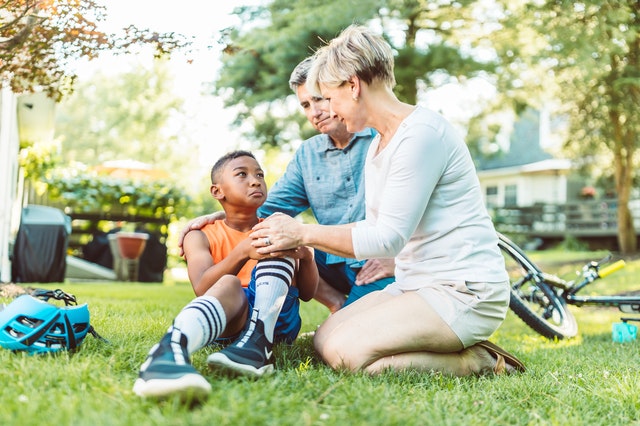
(591, 272)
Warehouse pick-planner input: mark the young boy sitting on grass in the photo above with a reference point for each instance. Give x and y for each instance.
(235, 292)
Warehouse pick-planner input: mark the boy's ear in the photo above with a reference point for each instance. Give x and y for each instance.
(216, 192)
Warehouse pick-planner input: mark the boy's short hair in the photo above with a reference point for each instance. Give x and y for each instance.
(222, 161)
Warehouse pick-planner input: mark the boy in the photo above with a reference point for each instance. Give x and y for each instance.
(234, 291)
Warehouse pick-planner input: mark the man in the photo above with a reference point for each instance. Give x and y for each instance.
(327, 176)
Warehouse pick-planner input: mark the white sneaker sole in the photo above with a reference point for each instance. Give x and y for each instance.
(189, 385)
(218, 359)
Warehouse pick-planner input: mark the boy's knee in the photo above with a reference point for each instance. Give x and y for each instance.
(223, 282)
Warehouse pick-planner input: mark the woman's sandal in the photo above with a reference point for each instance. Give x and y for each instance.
(503, 358)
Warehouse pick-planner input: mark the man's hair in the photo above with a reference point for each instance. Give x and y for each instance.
(299, 73)
(222, 161)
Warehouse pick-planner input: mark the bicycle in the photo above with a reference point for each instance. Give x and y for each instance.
(541, 300)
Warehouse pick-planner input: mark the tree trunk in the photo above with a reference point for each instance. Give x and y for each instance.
(624, 148)
(626, 232)
(627, 240)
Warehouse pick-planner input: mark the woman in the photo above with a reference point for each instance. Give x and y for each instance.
(425, 207)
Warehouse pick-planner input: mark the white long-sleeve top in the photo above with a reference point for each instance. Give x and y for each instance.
(424, 206)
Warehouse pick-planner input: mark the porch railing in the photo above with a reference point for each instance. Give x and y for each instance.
(591, 218)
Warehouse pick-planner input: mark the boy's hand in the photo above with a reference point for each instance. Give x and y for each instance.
(251, 251)
(302, 253)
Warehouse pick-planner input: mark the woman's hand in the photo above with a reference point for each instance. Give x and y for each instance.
(277, 234)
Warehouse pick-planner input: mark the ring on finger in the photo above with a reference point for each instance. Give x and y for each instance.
(267, 241)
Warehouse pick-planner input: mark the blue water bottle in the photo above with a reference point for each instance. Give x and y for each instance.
(623, 332)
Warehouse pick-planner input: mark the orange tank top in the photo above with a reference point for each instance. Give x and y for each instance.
(222, 239)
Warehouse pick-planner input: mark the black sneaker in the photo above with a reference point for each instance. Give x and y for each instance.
(250, 355)
(167, 371)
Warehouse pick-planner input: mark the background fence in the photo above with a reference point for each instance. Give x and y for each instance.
(594, 221)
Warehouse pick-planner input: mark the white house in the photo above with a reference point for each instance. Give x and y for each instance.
(525, 174)
(544, 181)
(27, 117)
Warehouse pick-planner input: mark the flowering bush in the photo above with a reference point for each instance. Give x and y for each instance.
(104, 194)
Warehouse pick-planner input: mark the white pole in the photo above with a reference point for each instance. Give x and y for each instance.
(9, 146)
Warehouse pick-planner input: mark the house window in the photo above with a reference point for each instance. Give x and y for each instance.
(510, 196)
(492, 196)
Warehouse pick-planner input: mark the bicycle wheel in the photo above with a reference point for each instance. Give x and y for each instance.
(533, 298)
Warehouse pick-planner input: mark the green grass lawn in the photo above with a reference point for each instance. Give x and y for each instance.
(588, 380)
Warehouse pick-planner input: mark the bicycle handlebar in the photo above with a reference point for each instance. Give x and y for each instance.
(608, 270)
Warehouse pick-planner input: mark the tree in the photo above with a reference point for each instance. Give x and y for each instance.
(590, 50)
(434, 42)
(123, 116)
(38, 39)
(132, 115)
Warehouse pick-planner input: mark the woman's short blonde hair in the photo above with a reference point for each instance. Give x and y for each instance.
(357, 51)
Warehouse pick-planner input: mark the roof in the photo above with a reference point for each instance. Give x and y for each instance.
(552, 164)
(524, 146)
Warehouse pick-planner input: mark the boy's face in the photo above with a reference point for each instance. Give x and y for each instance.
(241, 183)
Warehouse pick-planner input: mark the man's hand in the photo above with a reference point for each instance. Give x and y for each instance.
(374, 270)
(198, 223)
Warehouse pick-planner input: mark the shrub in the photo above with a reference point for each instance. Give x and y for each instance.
(87, 192)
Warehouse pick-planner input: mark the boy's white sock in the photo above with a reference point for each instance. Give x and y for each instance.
(273, 278)
(201, 321)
